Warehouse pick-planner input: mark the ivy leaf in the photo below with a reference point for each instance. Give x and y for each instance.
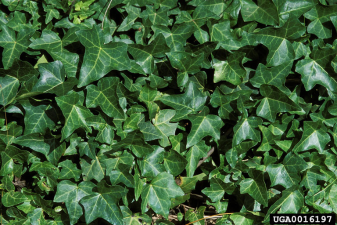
(161, 127)
(277, 40)
(134, 141)
(189, 102)
(103, 204)
(313, 73)
(273, 76)
(105, 96)
(185, 62)
(38, 114)
(52, 43)
(264, 12)
(95, 170)
(176, 38)
(314, 136)
(158, 193)
(13, 44)
(69, 170)
(230, 70)
(286, 174)
(74, 113)
(195, 153)
(274, 101)
(319, 15)
(52, 79)
(144, 55)
(291, 202)
(203, 125)
(100, 58)
(150, 166)
(105, 131)
(216, 190)
(246, 129)
(71, 194)
(255, 187)
(174, 163)
(121, 175)
(224, 101)
(12, 198)
(8, 89)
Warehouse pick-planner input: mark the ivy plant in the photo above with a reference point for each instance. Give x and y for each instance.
(165, 111)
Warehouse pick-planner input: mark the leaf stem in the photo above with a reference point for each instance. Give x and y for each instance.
(207, 217)
(106, 11)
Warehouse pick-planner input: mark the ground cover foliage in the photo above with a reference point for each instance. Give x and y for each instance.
(109, 110)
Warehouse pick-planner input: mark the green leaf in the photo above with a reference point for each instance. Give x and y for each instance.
(52, 79)
(13, 44)
(150, 166)
(277, 40)
(190, 102)
(246, 129)
(185, 62)
(313, 73)
(203, 125)
(195, 153)
(314, 137)
(273, 76)
(158, 193)
(176, 38)
(286, 174)
(100, 58)
(274, 102)
(69, 170)
(319, 15)
(255, 187)
(39, 115)
(104, 95)
(52, 43)
(75, 114)
(94, 170)
(230, 70)
(103, 204)
(174, 163)
(12, 198)
(291, 202)
(71, 194)
(8, 89)
(144, 55)
(160, 128)
(264, 12)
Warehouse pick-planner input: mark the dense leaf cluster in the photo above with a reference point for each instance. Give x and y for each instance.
(109, 109)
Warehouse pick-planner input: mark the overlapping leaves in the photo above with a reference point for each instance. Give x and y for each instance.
(114, 111)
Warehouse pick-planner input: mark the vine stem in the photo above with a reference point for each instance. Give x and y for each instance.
(207, 217)
(106, 11)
